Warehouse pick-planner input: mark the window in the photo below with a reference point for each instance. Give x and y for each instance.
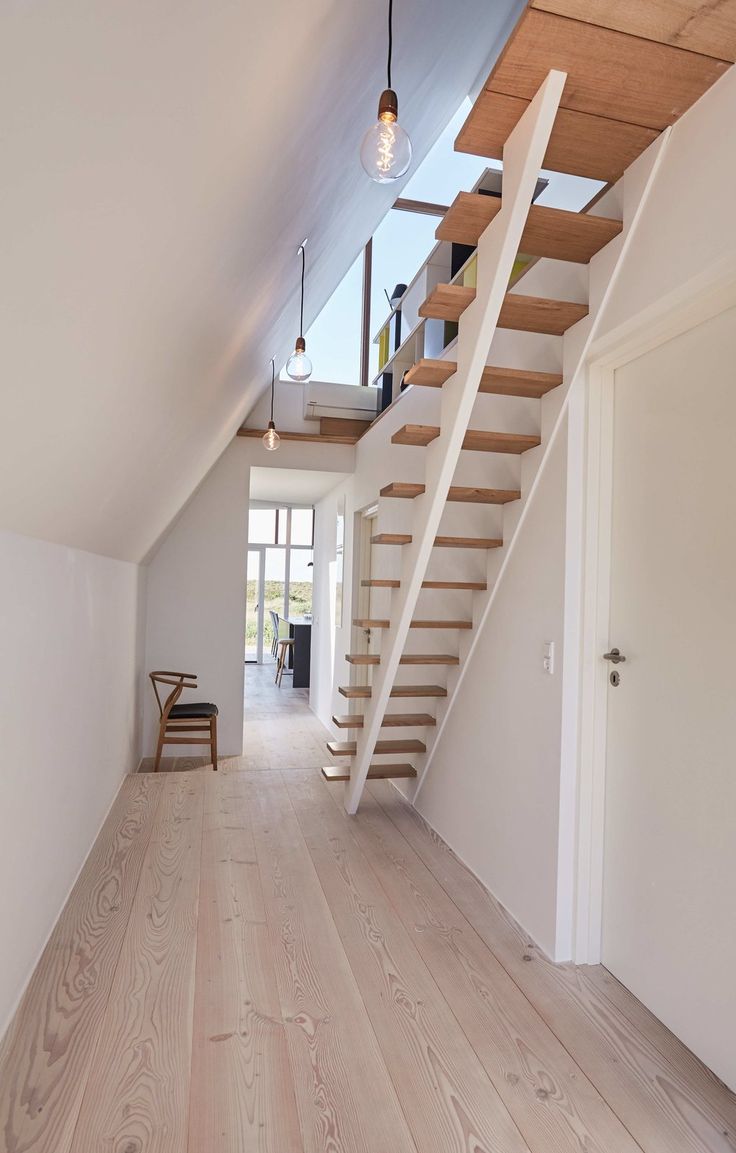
(262, 526)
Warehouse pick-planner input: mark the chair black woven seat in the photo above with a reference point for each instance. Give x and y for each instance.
(194, 723)
(194, 709)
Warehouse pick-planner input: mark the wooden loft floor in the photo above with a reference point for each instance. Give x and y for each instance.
(633, 68)
(241, 967)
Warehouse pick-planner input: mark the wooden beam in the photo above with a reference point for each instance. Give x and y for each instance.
(422, 207)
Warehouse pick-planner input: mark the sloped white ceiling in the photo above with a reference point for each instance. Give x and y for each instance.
(161, 161)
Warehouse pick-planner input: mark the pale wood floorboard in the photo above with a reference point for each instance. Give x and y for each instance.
(653, 1096)
(241, 968)
(137, 1093)
(242, 1091)
(445, 1093)
(47, 1052)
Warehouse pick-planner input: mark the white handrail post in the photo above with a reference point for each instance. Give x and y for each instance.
(523, 155)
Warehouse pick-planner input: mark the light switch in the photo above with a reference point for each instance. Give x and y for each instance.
(548, 662)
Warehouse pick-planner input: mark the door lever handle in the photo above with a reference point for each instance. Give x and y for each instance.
(615, 657)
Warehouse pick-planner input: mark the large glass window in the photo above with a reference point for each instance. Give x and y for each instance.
(279, 575)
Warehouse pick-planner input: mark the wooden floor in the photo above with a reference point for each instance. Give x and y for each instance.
(242, 967)
(280, 731)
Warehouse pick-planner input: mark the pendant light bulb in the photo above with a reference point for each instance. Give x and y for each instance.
(271, 439)
(299, 366)
(386, 149)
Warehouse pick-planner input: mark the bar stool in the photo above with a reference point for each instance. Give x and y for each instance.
(286, 644)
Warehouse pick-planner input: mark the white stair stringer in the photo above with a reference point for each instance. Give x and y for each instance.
(577, 346)
(523, 155)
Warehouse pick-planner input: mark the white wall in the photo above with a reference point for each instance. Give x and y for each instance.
(69, 728)
(492, 789)
(195, 618)
(330, 642)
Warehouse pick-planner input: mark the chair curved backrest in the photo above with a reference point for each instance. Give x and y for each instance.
(180, 681)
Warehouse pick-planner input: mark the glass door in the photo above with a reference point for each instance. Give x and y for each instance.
(254, 606)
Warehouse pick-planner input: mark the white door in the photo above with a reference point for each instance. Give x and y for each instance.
(669, 903)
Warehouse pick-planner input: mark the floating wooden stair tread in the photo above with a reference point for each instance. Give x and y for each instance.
(494, 381)
(475, 439)
(391, 538)
(409, 658)
(518, 312)
(394, 745)
(467, 542)
(425, 624)
(363, 692)
(458, 493)
(580, 144)
(370, 623)
(429, 659)
(375, 772)
(380, 584)
(390, 721)
(550, 232)
(467, 586)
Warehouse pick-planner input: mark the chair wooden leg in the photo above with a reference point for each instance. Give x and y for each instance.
(279, 664)
(213, 741)
(159, 748)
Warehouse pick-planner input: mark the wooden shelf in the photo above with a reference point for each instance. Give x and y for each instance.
(380, 584)
(549, 232)
(496, 381)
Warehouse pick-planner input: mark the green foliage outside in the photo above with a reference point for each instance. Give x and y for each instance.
(300, 601)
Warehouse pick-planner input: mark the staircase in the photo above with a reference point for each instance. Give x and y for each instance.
(444, 539)
(450, 528)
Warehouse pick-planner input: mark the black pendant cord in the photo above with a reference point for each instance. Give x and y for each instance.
(301, 309)
(273, 381)
(390, 39)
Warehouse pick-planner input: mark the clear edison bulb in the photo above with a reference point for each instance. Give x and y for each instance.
(271, 439)
(299, 366)
(386, 149)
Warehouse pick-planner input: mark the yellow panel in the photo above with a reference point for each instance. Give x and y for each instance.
(470, 275)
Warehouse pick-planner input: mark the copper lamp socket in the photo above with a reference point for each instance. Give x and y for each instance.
(301, 344)
(388, 105)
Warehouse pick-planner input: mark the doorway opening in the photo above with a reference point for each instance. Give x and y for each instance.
(279, 575)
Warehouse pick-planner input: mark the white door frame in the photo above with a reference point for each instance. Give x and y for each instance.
(692, 304)
(260, 591)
